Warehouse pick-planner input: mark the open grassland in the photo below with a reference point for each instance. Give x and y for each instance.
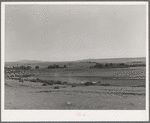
(75, 85)
(118, 76)
(29, 95)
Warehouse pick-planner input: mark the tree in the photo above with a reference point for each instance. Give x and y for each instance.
(111, 64)
(36, 67)
(53, 66)
(121, 64)
(106, 65)
(28, 67)
(98, 65)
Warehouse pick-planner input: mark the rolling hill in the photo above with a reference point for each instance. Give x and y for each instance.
(86, 62)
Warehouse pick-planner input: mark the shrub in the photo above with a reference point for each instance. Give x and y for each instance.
(16, 78)
(49, 83)
(106, 65)
(36, 67)
(33, 80)
(56, 87)
(44, 84)
(26, 75)
(38, 79)
(64, 83)
(107, 84)
(88, 83)
(139, 85)
(20, 80)
(52, 81)
(111, 64)
(99, 82)
(74, 85)
(42, 81)
(53, 66)
(58, 82)
(98, 65)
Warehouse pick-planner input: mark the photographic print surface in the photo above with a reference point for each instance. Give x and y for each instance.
(75, 57)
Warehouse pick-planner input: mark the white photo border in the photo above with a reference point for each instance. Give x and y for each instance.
(71, 115)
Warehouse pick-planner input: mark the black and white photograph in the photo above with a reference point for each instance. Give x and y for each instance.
(78, 57)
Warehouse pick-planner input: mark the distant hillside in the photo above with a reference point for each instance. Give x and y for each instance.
(29, 61)
(78, 63)
(115, 60)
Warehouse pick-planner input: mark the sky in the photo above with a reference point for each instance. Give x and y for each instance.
(74, 32)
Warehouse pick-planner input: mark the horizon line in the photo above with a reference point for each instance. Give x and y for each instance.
(76, 60)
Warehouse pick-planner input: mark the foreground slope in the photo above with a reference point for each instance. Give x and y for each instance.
(31, 95)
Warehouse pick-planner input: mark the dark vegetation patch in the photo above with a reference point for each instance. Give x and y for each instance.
(139, 85)
(53, 82)
(73, 85)
(64, 83)
(26, 75)
(20, 80)
(48, 82)
(117, 65)
(58, 82)
(25, 85)
(56, 66)
(33, 80)
(88, 83)
(46, 91)
(56, 87)
(106, 84)
(8, 85)
(44, 84)
(133, 93)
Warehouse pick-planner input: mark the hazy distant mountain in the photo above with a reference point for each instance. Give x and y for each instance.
(115, 60)
(78, 63)
(111, 60)
(29, 61)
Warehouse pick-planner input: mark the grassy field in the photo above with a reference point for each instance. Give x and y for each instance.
(29, 95)
(112, 72)
(72, 87)
(119, 76)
